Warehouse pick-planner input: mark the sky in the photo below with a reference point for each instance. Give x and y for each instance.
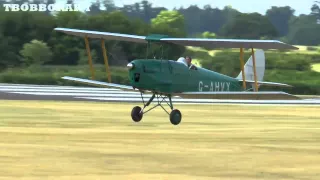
(261, 6)
(246, 6)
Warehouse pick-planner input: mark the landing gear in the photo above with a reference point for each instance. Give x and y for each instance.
(175, 115)
(136, 114)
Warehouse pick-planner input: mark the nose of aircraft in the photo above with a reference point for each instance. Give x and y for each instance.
(134, 74)
(130, 66)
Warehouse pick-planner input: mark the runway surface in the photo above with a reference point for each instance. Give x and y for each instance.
(70, 93)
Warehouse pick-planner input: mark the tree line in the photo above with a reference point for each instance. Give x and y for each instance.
(277, 22)
(27, 38)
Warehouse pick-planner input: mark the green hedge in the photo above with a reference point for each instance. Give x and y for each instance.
(51, 75)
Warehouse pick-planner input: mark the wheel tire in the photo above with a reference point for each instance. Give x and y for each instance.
(175, 117)
(136, 115)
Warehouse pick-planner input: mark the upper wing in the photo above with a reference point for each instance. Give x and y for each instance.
(268, 83)
(99, 83)
(103, 35)
(209, 43)
(239, 95)
(229, 43)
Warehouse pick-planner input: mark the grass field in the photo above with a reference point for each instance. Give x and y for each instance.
(64, 140)
(316, 67)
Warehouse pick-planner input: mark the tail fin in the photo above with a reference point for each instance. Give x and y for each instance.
(260, 67)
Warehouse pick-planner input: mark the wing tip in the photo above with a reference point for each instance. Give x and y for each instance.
(59, 29)
(67, 77)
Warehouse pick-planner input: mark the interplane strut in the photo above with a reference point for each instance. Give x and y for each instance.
(242, 69)
(105, 58)
(254, 70)
(89, 56)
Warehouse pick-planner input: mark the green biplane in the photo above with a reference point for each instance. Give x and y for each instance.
(168, 78)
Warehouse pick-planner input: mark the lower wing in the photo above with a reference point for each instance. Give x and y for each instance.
(197, 95)
(99, 83)
(239, 95)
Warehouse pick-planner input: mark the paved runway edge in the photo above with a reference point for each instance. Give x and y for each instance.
(70, 93)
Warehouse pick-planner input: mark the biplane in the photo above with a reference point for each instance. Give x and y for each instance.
(164, 79)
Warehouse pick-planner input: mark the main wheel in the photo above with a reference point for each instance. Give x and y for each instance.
(136, 114)
(175, 117)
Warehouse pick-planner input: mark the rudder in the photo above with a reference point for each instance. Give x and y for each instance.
(260, 67)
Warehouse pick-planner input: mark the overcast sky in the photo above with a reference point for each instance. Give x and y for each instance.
(301, 6)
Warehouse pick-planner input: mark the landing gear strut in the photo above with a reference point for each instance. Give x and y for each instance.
(175, 115)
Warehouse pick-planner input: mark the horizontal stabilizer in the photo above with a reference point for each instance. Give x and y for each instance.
(268, 83)
(239, 95)
(99, 83)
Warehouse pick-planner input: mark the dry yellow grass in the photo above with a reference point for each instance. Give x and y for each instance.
(60, 140)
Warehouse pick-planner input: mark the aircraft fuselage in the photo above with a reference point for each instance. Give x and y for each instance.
(167, 76)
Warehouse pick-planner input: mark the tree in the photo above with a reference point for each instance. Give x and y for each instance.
(95, 8)
(109, 5)
(304, 30)
(170, 23)
(8, 55)
(19, 28)
(83, 60)
(192, 15)
(229, 13)
(208, 34)
(36, 52)
(64, 47)
(249, 26)
(316, 11)
(316, 8)
(172, 19)
(279, 17)
(147, 10)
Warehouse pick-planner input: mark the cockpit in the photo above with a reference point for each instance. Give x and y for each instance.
(184, 61)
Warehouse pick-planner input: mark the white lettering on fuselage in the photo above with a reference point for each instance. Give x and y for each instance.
(200, 85)
(217, 86)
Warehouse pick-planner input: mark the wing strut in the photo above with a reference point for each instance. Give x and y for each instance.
(89, 56)
(105, 58)
(242, 69)
(254, 70)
